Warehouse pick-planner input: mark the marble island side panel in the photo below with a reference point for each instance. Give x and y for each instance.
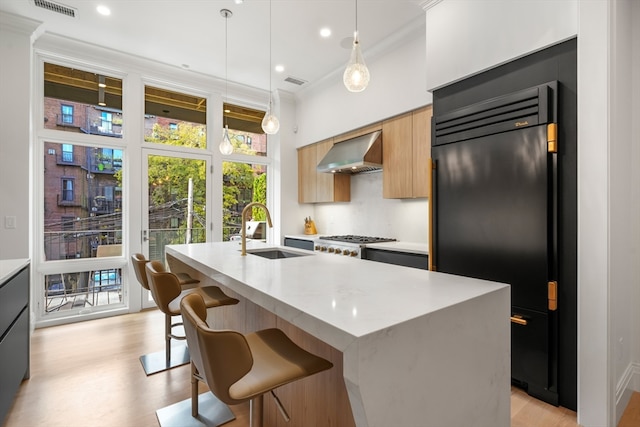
(417, 347)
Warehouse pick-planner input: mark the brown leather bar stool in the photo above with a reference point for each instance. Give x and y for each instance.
(139, 261)
(167, 292)
(239, 367)
(161, 360)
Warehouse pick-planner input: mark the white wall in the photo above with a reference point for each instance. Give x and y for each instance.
(462, 45)
(15, 72)
(623, 205)
(635, 141)
(595, 393)
(369, 214)
(397, 85)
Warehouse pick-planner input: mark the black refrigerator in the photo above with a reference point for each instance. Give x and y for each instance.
(494, 216)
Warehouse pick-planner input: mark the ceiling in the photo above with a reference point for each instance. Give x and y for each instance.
(191, 33)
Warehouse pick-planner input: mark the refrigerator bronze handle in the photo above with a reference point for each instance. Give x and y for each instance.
(519, 320)
(431, 166)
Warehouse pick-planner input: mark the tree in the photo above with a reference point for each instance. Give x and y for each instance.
(169, 178)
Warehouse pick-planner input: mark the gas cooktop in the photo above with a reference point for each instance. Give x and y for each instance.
(360, 240)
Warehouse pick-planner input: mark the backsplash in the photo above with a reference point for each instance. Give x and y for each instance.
(369, 214)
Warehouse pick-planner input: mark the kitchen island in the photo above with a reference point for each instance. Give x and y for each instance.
(415, 348)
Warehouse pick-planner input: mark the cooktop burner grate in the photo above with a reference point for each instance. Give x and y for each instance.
(350, 238)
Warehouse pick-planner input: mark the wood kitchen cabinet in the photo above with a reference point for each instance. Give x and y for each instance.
(315, 187)
(405, 154)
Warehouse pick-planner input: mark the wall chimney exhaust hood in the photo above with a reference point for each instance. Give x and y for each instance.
(360, 154)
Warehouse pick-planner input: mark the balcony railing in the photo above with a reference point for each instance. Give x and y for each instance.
(159, 238)
(70, 244)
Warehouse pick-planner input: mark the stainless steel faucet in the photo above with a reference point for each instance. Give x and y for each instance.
(243, 232)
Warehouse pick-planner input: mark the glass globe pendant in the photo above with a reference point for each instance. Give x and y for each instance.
(356, 75)
(270, 123)
(225, 146)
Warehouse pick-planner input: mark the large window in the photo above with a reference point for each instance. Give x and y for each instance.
(174, 118)
(89, 201)
(244, 182)
(82, 101)
(245, 130)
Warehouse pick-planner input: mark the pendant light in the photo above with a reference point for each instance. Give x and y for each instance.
(356, 75)
(225, 146)
(270, 123)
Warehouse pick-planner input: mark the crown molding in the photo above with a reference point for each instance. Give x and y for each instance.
(428, 4)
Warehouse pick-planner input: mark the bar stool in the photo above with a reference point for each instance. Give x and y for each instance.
(161, 360)
(239, 367)
(167, 292)
(139, 261)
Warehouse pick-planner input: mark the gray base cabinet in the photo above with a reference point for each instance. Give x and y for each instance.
(14, 337)
(398, 258)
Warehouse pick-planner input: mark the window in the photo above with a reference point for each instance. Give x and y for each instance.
(175, 118)
(89, 201)
(67, 114)
(245, 130)
(107, 122)
(67, 189)
(67, 153)
(74, 101)
(243, 183)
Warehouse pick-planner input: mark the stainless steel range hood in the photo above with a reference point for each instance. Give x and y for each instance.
(360, 154)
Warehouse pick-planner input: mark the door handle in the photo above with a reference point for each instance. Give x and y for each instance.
(144, 236)
(518, 319)
(431, 168)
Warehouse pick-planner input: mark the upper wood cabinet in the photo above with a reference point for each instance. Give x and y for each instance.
(405, 154)
(315, 187)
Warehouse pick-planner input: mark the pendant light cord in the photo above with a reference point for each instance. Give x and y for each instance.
(226, 65)
(355, 36)
(270, 63)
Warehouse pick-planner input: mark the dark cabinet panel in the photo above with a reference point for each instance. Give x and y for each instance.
(398, 258)
(14, 337)
(14, 296)
(298, 243)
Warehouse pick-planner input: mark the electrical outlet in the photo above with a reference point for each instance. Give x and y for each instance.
(9, 222)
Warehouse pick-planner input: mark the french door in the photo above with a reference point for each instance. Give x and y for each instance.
(175, 205)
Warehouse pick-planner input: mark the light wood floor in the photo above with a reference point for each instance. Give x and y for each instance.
(88, 374)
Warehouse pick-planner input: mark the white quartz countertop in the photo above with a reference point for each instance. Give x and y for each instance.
(409, 247)
(9, 267)
(336, 299)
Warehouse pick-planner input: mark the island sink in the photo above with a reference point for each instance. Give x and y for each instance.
(275, 253)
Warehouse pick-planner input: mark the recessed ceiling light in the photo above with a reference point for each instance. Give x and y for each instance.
(279, 68)
(103, 10)
(239, 1)
(325, 32)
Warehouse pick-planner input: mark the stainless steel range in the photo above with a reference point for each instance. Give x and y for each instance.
(346, 245)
